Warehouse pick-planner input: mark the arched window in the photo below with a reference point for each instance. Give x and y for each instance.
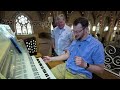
(23, 25)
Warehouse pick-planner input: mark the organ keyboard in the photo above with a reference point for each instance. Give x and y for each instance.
(43, 69)
(23, 66)
(15, 61)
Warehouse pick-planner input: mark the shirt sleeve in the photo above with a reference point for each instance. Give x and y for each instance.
(98, 55)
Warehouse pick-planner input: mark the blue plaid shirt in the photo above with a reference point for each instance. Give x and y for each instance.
(90, 49)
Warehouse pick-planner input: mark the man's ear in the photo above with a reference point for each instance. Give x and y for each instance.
(86, 29)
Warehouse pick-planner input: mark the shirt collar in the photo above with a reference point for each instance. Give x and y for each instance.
(88, 38)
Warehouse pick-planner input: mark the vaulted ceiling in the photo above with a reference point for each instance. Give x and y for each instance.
(95, 15)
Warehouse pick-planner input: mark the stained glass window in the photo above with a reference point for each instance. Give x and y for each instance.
(23, 25)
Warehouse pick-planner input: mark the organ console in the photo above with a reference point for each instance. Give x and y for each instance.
(15, 60)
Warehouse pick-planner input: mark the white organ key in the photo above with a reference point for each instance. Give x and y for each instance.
(47, 69)
(42, 75)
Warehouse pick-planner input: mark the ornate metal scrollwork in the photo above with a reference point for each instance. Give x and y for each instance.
(112, 59)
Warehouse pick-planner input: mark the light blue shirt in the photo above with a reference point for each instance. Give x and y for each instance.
(90, 49)
(63, 39)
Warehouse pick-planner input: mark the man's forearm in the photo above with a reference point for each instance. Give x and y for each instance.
(61, 57)
(96, 69)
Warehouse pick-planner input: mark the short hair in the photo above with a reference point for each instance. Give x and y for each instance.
(60, 16)
(83, 21)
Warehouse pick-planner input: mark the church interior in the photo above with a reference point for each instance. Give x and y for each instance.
(33, 30)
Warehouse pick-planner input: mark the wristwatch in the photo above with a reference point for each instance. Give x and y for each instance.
(87, 66)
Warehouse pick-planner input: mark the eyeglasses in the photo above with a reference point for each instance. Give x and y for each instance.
(77, 31)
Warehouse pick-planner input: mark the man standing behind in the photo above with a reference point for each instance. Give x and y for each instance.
(61, 35)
